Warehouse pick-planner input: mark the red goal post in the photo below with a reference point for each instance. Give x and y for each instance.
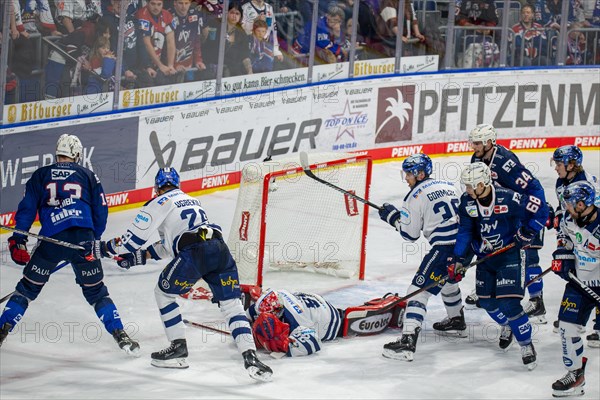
(287, 221)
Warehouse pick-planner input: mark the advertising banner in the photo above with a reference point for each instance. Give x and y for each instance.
(109, 149)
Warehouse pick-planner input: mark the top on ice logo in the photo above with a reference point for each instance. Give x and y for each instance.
(395, 106)
(346, 121)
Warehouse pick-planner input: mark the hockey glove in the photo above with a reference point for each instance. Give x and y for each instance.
(558, 216)
(271, 333)
(17, 245)
(456, 269)
(389, 214)
(551, 217)
(563, 262)
(96, 249)
(524, 237)
(128, 260)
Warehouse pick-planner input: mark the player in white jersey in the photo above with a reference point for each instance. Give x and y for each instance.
(198, 252)
(298, 323)
(578, 251)
(430, 207)
(568, 164)
(310, 320)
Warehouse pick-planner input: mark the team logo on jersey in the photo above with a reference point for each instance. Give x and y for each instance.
(165, 284)
(500, 209)
(420, 280)
(472, 211)
(142, 221)
(568, 306)
(162, 200)
(61, 174)
(395, 106)
(578, 237)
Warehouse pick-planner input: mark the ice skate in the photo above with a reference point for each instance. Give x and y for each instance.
(128, 345)
(536, 311)
(403, 348)
(593, 339)
(472, 301)
(455, 326)
(529, 355)
(256, 369)
(173, 356)
(571, 384)
(506, 338)
(4, 332)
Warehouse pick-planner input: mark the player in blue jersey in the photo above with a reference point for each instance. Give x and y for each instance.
(508, 172)
(429, 207)
(197, 251)
(490, 218)
(578, 251)
(568, 164)
(71, 206)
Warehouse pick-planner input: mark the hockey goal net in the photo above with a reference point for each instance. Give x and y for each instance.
(286, 221)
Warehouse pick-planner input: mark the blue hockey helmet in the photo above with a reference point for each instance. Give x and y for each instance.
(580, 191)
(567, 153)
(416, 163)
(166, 176)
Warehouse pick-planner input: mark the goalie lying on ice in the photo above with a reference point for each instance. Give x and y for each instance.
(297, 323)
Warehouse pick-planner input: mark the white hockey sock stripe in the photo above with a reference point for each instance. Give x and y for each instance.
(240, 329)
(452, 299)
(171, 318)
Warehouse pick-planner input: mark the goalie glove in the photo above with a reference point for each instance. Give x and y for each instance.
(128, 260)
(271, 333)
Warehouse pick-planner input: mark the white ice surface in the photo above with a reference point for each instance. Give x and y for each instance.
(60, 350)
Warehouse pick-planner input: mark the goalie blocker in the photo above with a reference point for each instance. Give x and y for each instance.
(374, 316)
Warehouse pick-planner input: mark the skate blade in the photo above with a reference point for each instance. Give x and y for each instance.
(177, 363)
(593, 344)
(453, 333)
(567, 393)
(402, 355)
(531, 366)
(259, 375)
(538, 320)
(132, 353)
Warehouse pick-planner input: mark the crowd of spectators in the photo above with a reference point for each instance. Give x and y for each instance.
(60, 48)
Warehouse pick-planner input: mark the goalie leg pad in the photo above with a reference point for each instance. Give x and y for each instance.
(373, 317)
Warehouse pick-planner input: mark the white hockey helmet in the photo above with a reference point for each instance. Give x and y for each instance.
(69, 146)
(483, 133)
(476, 173)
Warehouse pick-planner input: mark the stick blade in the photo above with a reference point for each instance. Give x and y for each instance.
(304, 160)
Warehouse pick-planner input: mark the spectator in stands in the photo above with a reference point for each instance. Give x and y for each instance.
(10, 89)
(259, 9)
(479, 50)
(156, 30)
(388, 27)
(237, 49)
(29, 15)
(188, 39)
(111, 17)
(596, 14)
(577, 50)
(102, 63)
(330, 37)
(530, 45)
(548, 13)
(261, 49)
(213, 9)
(477, 13)
(77, 21)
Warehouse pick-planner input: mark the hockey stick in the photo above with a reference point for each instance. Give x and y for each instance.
(538, 276)
(589, 292)
(59, 266)
(309, 173)
(44, 238)
(70, 57)
(445, 278)
(207, 327)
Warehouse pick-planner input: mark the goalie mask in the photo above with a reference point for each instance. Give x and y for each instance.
(270, 303)
(69, 146)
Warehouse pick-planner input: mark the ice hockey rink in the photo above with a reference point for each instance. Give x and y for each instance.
(61, 351)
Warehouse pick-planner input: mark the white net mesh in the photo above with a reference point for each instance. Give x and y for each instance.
(307, 226)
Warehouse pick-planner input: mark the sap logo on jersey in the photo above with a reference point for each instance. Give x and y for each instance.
(502, 209)
(61, 174)
(142, 221)
(373, 324)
